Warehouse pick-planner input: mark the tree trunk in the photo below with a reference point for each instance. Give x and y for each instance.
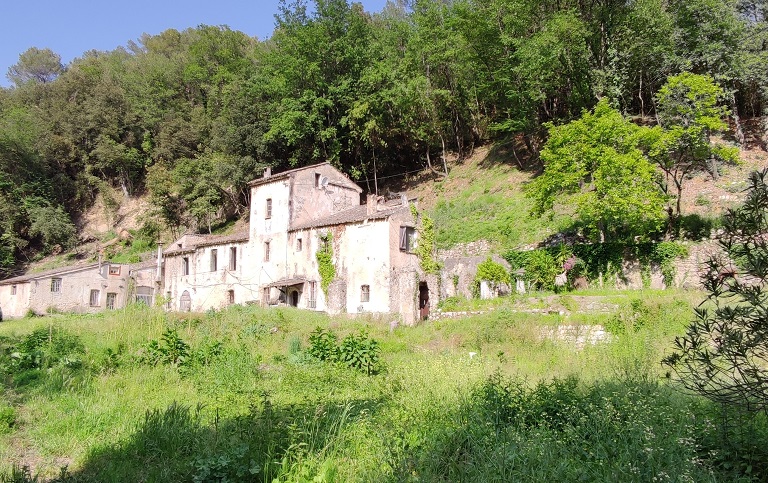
(738, 131)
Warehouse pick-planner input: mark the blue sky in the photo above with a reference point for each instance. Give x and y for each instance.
(72, 27)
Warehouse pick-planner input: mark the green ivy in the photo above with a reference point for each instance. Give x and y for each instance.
(425, 248)
(325, 265)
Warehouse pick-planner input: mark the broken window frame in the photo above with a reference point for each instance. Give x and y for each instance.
(365, 293)
(56, 285)
(214, 260)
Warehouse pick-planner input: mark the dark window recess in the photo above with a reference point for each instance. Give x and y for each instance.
(407, 238)
(214, 260)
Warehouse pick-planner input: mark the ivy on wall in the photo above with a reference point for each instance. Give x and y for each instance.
(425, 248)
(325, 265)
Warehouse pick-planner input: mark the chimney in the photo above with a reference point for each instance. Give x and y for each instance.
(267, 172)
(403, 199)
(370, 204)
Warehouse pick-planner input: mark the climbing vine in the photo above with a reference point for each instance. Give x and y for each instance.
(425, 248)
(325, 265)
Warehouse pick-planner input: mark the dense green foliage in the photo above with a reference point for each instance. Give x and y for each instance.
(190, 116)
(325, 266)
(595, 262)
(595, 163)
(723, 353)
(493, 273)
(525, 408)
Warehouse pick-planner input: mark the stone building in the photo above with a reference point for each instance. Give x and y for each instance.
(80, 289)
(293, 215)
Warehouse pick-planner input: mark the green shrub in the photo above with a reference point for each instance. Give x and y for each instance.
(493, 273)
(8, 417)
(171, 349)
(322, 345)
(356, 351)
(47, 347)
(360, 352)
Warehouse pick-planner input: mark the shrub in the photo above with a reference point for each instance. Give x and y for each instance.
(171, 349)
(47, 347)
(356, 351)
(493, 273)
(360, 352)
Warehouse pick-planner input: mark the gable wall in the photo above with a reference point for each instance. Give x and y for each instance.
(76, 287)
(14, 306)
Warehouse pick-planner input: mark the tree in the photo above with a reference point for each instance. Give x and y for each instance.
(689, 112)
(724, 353)
(595, 165)
(37, 65)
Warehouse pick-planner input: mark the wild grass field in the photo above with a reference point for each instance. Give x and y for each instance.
(244, 394)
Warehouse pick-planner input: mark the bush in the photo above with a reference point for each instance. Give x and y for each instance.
(493, 273)
(356, 351)
(47, 347)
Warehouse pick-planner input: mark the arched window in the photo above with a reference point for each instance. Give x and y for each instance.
(185, 303)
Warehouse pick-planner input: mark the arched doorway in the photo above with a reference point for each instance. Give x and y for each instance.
(185, 303)
(423, 301)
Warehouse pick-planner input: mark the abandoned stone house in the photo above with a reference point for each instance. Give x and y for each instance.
(81, 289)
(293, 215)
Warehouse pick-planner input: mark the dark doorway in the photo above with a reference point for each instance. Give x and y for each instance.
(423, 301)
(294, 298)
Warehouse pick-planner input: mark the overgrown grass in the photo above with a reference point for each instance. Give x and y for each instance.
(247, 402)
(492, 209)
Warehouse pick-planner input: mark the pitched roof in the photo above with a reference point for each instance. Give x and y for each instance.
(200, 241)
(352, 215)
(342, 181)
(283, 174)
(56, 271)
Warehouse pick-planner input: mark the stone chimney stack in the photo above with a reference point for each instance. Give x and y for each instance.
(267, 172)
(403, 199)
(370, 204)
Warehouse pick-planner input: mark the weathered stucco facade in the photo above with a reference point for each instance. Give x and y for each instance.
(81, 289)
(293, 215)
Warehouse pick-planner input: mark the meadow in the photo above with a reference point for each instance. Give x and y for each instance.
(248, 394)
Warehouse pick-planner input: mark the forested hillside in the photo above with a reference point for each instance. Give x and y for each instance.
(189, 117)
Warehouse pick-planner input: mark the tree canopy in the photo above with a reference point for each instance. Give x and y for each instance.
(377, 94)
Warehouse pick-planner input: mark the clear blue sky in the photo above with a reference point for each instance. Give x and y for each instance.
(72, 27)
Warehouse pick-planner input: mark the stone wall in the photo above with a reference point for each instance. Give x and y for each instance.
(460, 266)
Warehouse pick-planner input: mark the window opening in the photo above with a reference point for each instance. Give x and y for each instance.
(111, 298)
(312, 302)
(55, 285)
(94, 298)
(185, 266)
(233, 258)
(365, 293)
(214, 260)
